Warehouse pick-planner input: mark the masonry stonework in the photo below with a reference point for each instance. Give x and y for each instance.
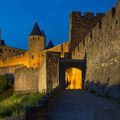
(94, 41)
(81, 25)
(101, 46)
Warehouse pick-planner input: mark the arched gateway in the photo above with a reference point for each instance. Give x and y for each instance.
(72, 73)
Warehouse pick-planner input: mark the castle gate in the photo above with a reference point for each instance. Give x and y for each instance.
(72, 73)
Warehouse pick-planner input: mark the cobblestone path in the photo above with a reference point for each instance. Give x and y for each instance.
(81, 105)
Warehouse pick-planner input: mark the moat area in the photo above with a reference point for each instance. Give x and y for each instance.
(81, 105)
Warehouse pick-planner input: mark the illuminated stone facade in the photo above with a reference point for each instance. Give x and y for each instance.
(93, 40)
(101, 47)
(30, 68)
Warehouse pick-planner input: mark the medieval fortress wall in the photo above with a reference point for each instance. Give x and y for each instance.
(101, 47)
(81, 25)
(26, 79)
(15, 60)
(96, 38)
(29, 78)
(23, 59)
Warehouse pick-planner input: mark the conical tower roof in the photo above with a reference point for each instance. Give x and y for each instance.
(50, 44)
(36, 30)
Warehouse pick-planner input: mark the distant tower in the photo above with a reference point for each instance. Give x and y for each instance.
(2, 42)
(37, 41)
(50, 44)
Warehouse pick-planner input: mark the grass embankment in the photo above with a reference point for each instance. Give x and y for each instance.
(16, 103)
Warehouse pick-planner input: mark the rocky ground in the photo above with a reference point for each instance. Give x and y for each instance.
(81, 105)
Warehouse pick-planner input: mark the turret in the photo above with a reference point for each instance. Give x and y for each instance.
(37, 41)
(50, 44)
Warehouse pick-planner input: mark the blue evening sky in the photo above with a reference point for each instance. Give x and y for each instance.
(17, 18)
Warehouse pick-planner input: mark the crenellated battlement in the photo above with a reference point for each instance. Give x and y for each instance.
(101, 47)
(92, 36)
(15, 60)
(78, 15)
(80, 25)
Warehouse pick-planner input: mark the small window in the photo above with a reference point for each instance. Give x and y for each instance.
(32, 57)
(102, 34)
(91, 34)
(83, 42)
(78, 48)
(113, 12)
(110, 27)
(100, 25)
(116, 22)
(74, 52)
(9, 50)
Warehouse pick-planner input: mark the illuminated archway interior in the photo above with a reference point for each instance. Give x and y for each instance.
(73, 78)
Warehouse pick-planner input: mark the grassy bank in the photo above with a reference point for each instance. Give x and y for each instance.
(17, 102)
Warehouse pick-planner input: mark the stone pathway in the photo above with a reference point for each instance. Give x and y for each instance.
(81, 105)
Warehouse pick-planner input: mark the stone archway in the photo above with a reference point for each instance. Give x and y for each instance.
(73, 78)
(67, 68)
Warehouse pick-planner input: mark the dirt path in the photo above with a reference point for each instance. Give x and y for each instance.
(80, 105)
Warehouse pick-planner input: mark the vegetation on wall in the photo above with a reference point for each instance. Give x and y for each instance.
(6, 87)
(3, 83)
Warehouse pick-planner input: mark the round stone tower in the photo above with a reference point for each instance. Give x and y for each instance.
(37, 41)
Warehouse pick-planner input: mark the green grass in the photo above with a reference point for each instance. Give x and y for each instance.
(17, 102)
(6, 94)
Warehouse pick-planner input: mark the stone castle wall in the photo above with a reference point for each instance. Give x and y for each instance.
(52, 69)
(30, 60)
(26, 80)
(102, 49)
(60, 48)
(9, 70)
(15, 60)
(42, 77)
(7, 51)
(81, 25)
(29, 78)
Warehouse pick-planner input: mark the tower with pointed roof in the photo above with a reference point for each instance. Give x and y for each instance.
(37, 41)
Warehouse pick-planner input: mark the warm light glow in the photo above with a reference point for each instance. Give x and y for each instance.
(62, 55)
(73, 77)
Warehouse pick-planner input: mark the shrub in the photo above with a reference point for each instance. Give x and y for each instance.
(3, 83)
(17, 102)
(10, 80)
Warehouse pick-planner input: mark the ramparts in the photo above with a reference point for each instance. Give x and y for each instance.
(101, 47)
(81, 25)
(26, 79)
(15, 60)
